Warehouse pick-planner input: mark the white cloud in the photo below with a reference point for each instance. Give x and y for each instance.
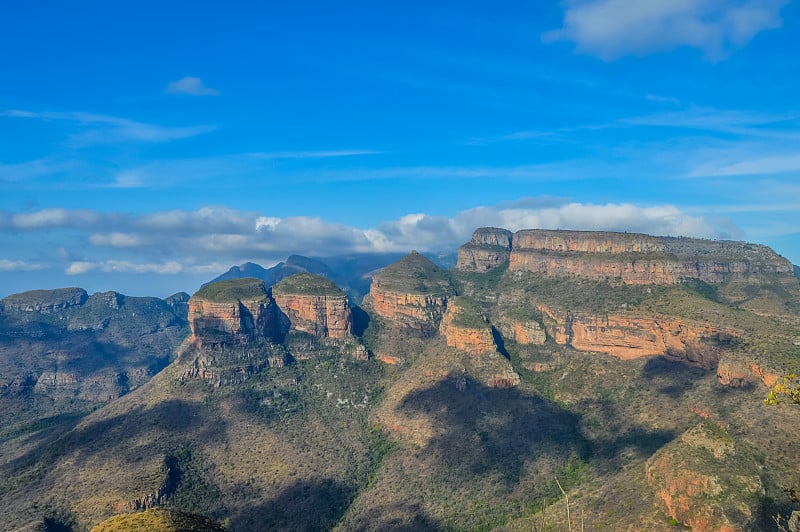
(613, 28)
(55, 218)
(19, 265)
(116, 240)
(106, 129)
(121, 266)
(192, 86)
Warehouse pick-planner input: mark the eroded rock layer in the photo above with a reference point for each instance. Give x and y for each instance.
(314, 305)
(629, 337)
(489, 248)
(622, 257)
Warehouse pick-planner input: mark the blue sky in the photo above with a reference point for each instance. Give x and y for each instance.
(148, 146)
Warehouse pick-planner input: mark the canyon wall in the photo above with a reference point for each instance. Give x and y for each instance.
(620, 257)
(628, 337)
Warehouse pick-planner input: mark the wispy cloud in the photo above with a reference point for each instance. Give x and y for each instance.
(192, 86)
(311, 154)
(755, 165)
(20, 266)
(106, 129)
(610, 29)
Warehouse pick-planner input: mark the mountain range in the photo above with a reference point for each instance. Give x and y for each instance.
(549, 380)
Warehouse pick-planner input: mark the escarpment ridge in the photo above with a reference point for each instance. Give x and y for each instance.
(629, 258)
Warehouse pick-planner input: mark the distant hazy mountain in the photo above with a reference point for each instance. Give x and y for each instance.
(352, 273)
(270, 276)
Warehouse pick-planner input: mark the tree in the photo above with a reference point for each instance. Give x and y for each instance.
(788, 387)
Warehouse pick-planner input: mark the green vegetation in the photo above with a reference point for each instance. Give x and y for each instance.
(469, 315)
(415, 274)
(788, 388)
(158, 520)
(244, 289)
(307, 284)
(479, 282)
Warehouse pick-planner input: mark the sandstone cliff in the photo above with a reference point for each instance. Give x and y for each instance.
(233, 311)
(628, 337)
(314, 305)
(489, 248)
(620, 257)
(411, 294)
(465, 329)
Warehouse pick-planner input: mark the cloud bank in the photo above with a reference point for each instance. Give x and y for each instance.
(610, 29)
(209, 239)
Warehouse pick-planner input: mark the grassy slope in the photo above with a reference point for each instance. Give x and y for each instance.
(307, 284)
(244, 289)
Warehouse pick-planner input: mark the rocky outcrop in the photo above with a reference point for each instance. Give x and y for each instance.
(522, 331)
(620, 257)
(235, 311)
(45, 301)
(411, 294)
(628, 337)
(465, 329)
(314, 305)
(735, 374)
(705, 481)
(489, 248)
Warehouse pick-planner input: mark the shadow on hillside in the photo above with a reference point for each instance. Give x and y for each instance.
(305, 505)
(489, 431)
(671, 378)
(621, 440)
(125, 439)
(399, 517)
(360, 320)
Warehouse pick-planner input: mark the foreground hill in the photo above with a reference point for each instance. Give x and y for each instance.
(468, 394)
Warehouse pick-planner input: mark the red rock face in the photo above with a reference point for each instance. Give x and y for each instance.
(522, 332)
(415, 312)
(586, 242)
(473, 341)
(620, 257)
(322, 316)
(628, 337)
(230, 322)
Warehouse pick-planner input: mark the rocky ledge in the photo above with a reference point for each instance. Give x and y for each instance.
(628, 337)
(621, 257)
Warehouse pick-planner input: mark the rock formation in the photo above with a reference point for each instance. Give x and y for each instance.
(620, 257)
(705, 482)
(314, 305)
(489, 248)
(234, 311)
(628, 337)
(45, 301)
(465, 329)
(411, 294)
